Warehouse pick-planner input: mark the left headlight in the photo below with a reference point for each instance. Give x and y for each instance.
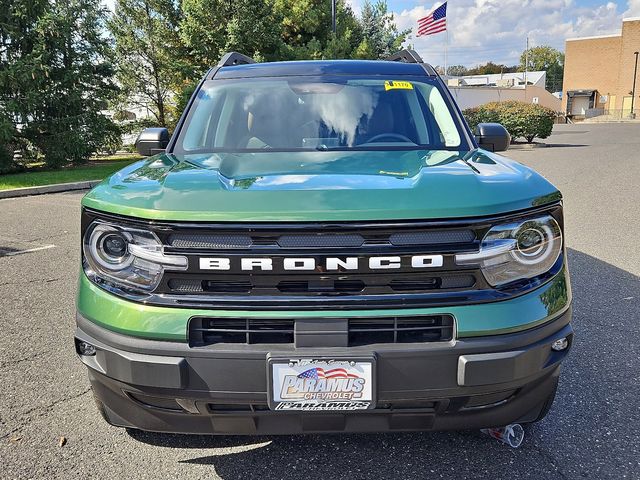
(517, 250)
(126, 258)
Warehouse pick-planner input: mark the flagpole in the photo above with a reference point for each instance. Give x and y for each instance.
(446, 48)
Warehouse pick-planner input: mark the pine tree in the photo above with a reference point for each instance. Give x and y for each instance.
(381, 37)
(55, 79)
(306, 29)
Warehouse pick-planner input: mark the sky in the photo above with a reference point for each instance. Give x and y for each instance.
(497, 30)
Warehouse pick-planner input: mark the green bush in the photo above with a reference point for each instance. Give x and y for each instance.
(521, 119)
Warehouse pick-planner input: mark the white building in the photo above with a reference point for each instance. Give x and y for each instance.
(529, 87)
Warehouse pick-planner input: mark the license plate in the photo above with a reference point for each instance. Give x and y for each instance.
(321, 384)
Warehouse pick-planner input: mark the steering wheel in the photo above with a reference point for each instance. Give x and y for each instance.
(396, 136)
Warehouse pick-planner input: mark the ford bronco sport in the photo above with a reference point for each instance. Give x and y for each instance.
(323, 246)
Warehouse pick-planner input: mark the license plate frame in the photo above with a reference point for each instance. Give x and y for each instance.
(355, 367)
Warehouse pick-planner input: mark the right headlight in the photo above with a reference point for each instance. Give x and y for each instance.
(126, 258)
(517, 250)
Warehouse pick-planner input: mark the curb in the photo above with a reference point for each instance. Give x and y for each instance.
(527, 146)
(55, 188)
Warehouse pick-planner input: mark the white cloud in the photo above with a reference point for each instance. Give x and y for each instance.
(356, 5)
(496, 30)
(633, 9)
(110, 4)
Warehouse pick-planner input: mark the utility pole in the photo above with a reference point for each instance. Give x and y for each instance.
(333, 16)
(633, 92)
(526, 69)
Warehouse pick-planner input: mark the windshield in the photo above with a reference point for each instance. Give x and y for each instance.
(311, 113)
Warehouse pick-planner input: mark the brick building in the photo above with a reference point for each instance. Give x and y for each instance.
(598, 73)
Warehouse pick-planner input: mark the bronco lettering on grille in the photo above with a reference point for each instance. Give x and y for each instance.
(328, 264)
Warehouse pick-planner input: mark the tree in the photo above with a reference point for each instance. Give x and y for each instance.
(55, 80)
(381, 37)
(490, 68)
(210, 28)
(547, 59)
(457, 70)
(150, 57)
(306, 29)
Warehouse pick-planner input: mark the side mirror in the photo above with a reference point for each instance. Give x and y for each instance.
(152, 141)
(493, 137)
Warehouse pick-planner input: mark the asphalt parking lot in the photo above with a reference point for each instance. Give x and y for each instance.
(593, 430)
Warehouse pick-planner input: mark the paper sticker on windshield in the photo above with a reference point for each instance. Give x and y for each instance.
(397, 85)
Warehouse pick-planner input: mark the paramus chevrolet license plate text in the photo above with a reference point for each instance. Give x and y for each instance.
(314, 385)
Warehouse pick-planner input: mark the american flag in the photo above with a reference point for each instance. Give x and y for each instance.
(318, 372)
(435, 22)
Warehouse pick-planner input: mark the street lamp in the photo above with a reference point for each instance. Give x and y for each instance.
(633, 92)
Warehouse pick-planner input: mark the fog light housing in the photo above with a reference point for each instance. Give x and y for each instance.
(85, 348)
(560, 344)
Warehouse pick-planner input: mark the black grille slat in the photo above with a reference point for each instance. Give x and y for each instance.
(361, 331)
(210, 331)
(221, 286)
(320, 241)
(183, 285)
(437, 328)
(184, 240)
(316, 284)
(232, 241)
(433, 237)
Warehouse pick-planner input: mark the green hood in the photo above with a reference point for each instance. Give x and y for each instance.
(321, 186)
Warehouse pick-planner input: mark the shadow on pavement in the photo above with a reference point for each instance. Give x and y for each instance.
(591, 431)
(565, 145)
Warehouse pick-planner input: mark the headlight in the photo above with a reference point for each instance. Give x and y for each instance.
(126, 257)
(518, 250)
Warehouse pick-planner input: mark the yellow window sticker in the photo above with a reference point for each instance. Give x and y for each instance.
(397, 85)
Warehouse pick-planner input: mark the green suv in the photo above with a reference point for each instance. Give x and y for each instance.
(323, 246)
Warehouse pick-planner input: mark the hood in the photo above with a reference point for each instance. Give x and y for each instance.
(321, 186)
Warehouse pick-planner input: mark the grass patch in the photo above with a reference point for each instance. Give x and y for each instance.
(49, 177)
(118, 157)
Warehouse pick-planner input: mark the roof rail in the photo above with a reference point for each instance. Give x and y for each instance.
(411, 56)
(235, 58)
(405, 56)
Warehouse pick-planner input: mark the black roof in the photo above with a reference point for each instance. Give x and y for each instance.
(235, 65)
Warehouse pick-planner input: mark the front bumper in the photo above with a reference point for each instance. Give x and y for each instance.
(470, 383)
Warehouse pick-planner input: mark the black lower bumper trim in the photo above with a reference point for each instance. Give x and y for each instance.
(467, 383)
(121, 411)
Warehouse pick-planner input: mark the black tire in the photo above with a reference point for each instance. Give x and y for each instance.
(546, 406)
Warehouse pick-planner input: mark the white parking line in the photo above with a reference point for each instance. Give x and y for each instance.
(28, 250)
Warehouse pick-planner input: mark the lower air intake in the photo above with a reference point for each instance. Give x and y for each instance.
(361, 331)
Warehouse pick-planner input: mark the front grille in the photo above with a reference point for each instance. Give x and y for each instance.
(341, 285)
(216, 277)
(205, 331)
